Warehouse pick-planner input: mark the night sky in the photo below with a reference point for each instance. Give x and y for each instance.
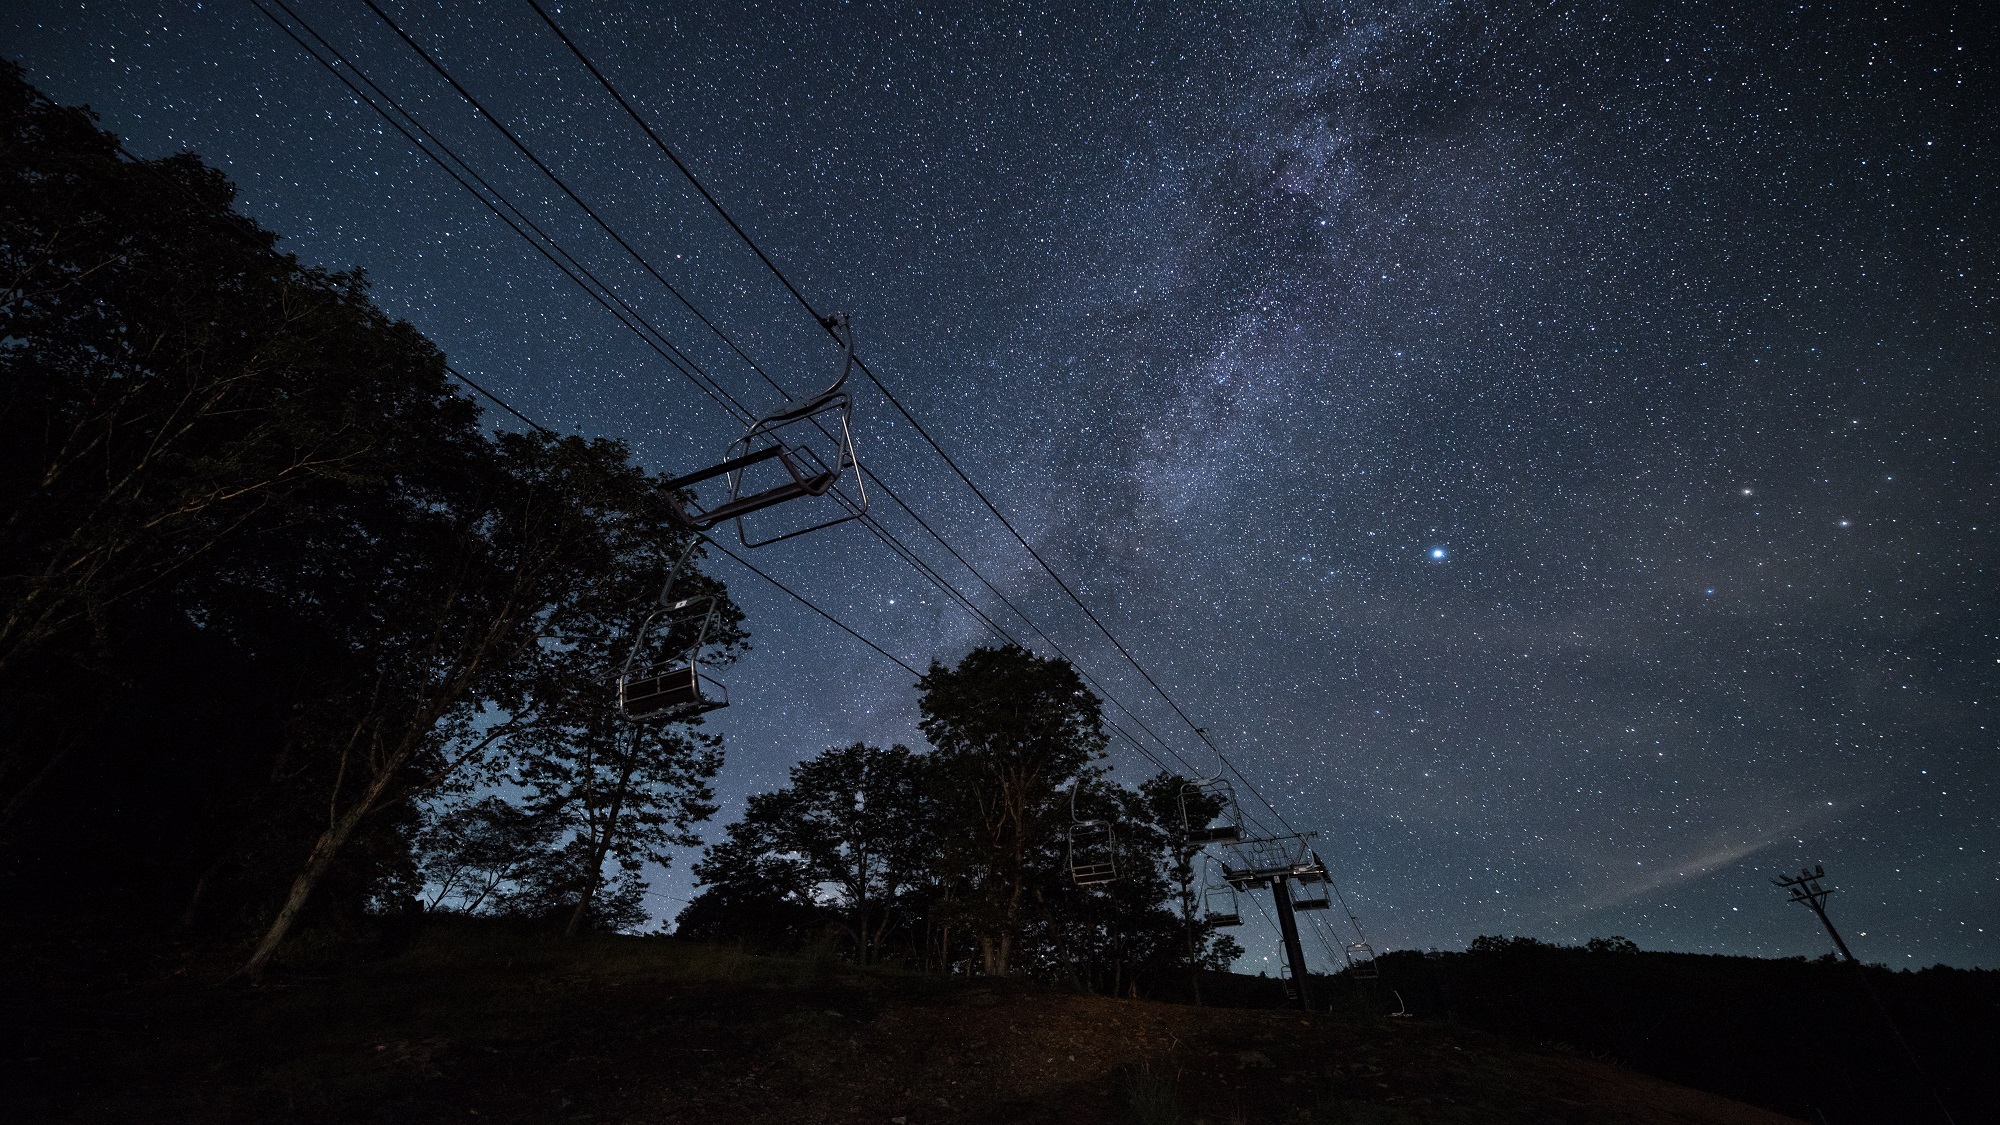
(1551, 451)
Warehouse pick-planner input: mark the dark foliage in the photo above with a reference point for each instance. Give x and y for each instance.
(269, 587)
(959, 859)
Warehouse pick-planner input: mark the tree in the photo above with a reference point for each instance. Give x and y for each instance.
(626, 792)
(1122, 936)
(850, 829)
(208, 449)
(1012, 732)
(1174, 806)
(173, 386)
(473, 853)
(465, 585)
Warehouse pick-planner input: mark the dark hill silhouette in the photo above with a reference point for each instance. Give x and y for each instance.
(1795, 1035)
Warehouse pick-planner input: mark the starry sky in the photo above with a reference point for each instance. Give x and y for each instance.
(1550, 448)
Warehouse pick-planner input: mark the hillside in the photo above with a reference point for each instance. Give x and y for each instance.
(478, 1024)
(1793, 1035)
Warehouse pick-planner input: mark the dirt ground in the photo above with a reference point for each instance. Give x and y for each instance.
(656, 1031)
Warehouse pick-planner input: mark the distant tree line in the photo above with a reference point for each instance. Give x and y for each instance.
(961, 859)
(276, 607)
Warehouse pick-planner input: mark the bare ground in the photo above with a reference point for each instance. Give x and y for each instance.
(507, 1029)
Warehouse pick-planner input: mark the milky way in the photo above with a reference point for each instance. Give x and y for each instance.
(1551, 452)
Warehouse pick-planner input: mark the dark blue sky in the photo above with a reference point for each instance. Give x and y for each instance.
(1551, 451)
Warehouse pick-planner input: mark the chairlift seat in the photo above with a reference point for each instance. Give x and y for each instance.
(1092, 874)
(1218, 834)
(1220, 920)
(674, 692)
(1311, 904)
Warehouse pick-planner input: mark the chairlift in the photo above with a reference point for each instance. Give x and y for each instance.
(1220, 907)
(1226, 826)
(1093, 848)
(663, 679)
(1361, 961)
(1311, 894)
(799, 450)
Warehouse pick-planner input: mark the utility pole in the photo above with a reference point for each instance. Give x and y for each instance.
(1805, 889)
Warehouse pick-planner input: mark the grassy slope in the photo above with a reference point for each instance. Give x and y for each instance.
(475, 1025)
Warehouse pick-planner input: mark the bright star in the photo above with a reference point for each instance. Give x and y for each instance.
(1437, 552)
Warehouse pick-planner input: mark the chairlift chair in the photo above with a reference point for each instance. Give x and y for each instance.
(1311, 894)
(799, 450)
(1226, 826)
(1092, 853)
(1093, 848)
(1361, 961)
(662, 679)
(1219, 906)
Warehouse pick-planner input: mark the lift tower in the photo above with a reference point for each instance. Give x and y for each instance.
(1280, 862)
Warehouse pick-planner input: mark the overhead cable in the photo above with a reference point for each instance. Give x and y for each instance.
(678, 358)
(631, 111)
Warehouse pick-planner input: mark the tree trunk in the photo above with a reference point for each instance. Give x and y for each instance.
(596, 873)
(324, 849)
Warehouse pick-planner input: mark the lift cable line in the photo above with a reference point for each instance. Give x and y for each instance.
(546, 244)
(248, 230)
(502, 208)
(630, 318)
(691, 369)
(497, 400)
(668, 149)
(652, 134)
(922, 432)
(250, 234)
(655, 338)
(804, 601)
(606, 227)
